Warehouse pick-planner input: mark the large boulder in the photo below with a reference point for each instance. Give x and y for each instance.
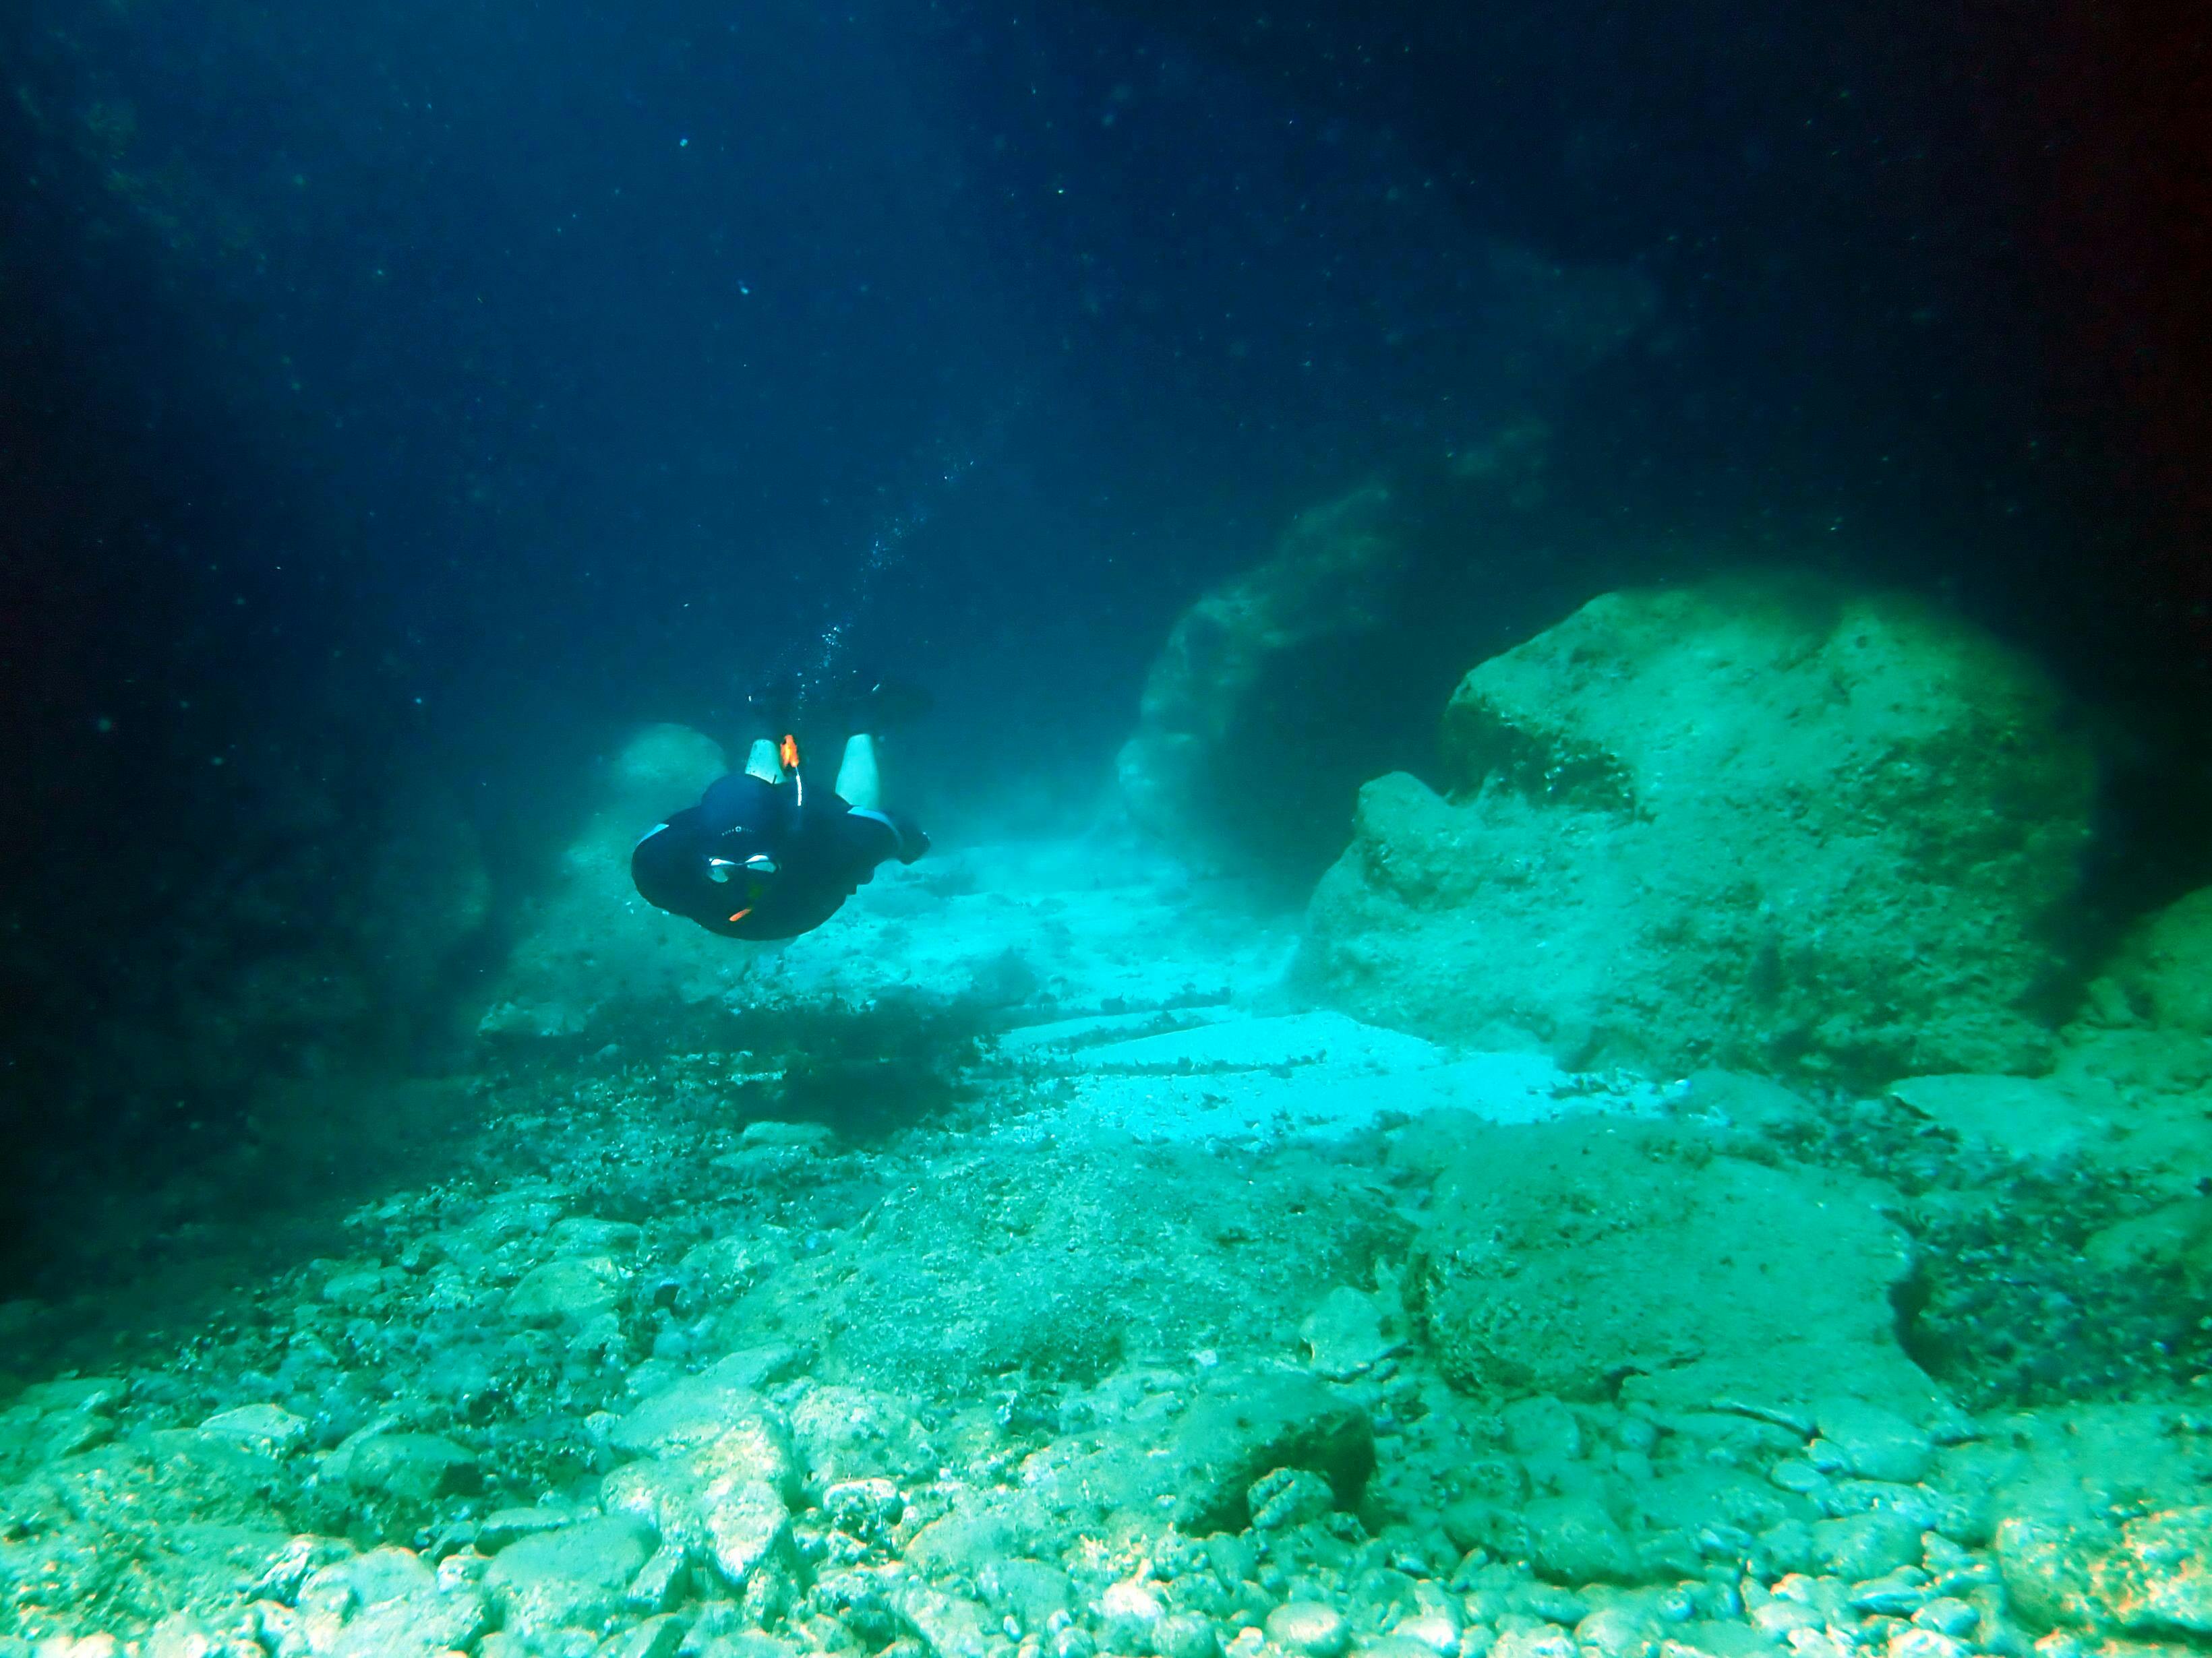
(1269, 667)
(1594, 1257)
(1761, 822)
(1283, 689)
(2163, 971)
(590, 944)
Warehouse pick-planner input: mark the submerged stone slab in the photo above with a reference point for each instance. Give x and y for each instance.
(1313, 1075)
(2025, 1117)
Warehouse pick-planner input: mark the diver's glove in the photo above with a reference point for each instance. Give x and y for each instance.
(914, 845)
(908, 843)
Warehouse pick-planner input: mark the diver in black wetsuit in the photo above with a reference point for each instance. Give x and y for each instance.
(764, 855)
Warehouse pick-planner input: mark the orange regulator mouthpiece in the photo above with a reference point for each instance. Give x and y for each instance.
(787, 752)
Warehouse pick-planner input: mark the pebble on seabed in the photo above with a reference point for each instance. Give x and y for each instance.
(1310, 1629)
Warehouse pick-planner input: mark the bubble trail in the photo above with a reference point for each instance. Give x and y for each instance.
(812, 673)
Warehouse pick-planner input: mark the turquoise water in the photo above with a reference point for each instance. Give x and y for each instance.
(1558, 1003)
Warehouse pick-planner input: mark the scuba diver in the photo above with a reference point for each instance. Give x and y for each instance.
(764, 855)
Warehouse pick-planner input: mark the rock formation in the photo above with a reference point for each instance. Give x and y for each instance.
(590, 942)
(1248, 715)
(1763, 821)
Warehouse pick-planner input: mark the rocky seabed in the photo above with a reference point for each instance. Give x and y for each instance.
(688, 1386)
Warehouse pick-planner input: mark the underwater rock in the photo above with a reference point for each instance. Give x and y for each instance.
(1345, 1334)
(2159, 1578)
(656, 1637)
(947, 1625)
(1865, 1441)
(569, 1290)
(52, 1419)
(1029, 1591)
(2100, 1525)
(424, 1623)
(976, 1533)
(746, 1524)
(1217, 737)
(1185, 1635)
(411, 1469)
(574, 1576)
(865, 1508)
(1761, 822)
(2173, 1239)
(1587, 1258)
(1572, 1540)
(1310, 1629)
(715, 1413)
(268, 1429)
(850, 1437)
(1253, 1420)
(2141, 1047)
(2024, 1117)
(504, 1526)
(590, 945)
(1264, 1444)
(1128, 1612)
(1858, 1547)
(712, 1507)
(2164, 968)
(1284, 1497)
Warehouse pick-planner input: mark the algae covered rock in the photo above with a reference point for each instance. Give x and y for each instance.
(851, 1437)
(1344, 1334)
(2023, 1117)
(568, 1289)
(1585, 1259)
(412, 1469)
(2142, 1046)
(1763, 820)
(2160, 1579)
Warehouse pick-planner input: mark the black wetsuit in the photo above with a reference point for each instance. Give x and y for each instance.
(808, 851)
